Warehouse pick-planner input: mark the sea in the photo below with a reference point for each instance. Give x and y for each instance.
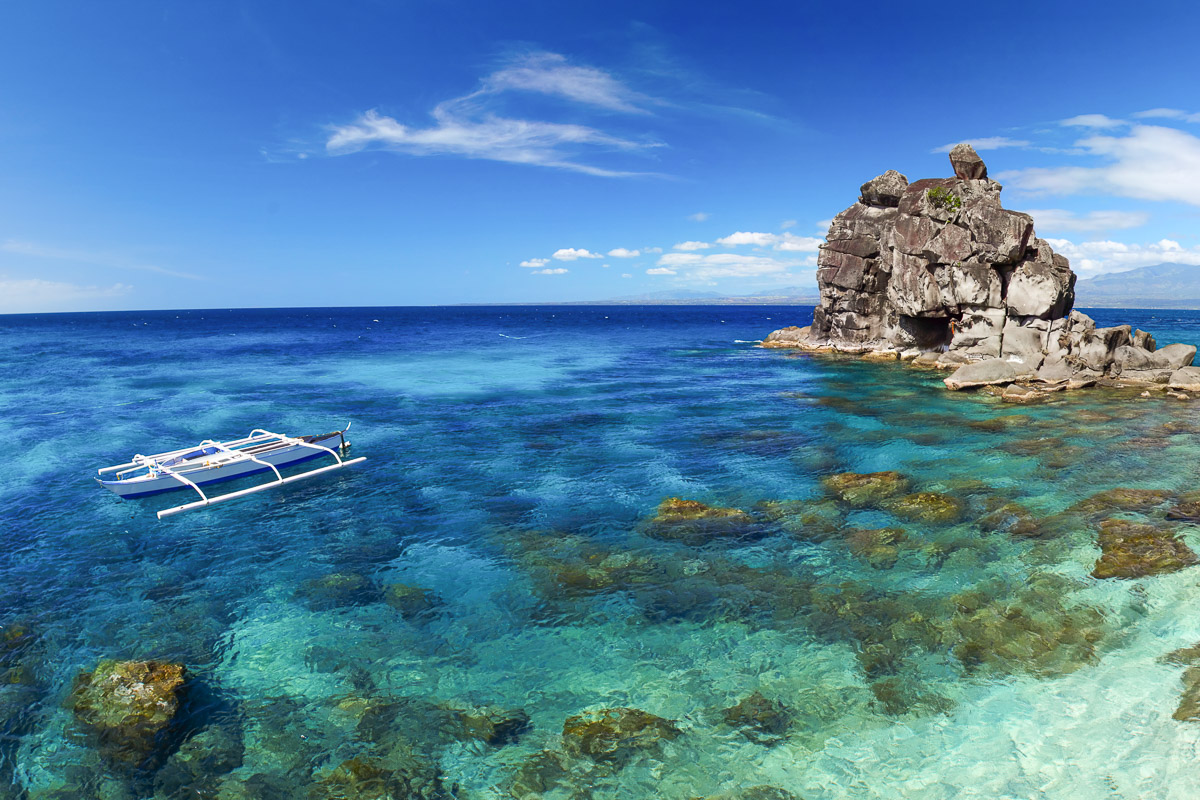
(504, 601)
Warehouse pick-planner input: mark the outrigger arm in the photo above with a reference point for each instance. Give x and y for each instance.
(205, 500)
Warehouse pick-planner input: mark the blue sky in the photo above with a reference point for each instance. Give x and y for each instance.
(179, 155)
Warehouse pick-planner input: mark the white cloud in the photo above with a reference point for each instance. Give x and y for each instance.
(652, 249)
(1150, 162)
(556, 271)
(1057, 219)
(621, 252)
(535, 262)
(699, 216)
(28, 295)
(693, 246)
(626, 275)
(1167, 113)
(550, 74)
(1092, 121)
(787, 223)
(571, 254)
(985, 143)
(471, 126)
(1093, 258)
(823, 224)
(798, 244)
(660, 271)
(746, 237)
(724, 265)
(780, 241)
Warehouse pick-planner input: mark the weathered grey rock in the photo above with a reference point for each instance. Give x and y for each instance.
(1186, 379)
(940, 265)
(884, 190)
(967, 163)
(1054, 369)
(991, 372)
(1175, 356)
(1023, 344)
(1041, 288)
(787, 337)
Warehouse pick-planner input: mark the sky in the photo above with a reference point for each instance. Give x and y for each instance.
(166, 154)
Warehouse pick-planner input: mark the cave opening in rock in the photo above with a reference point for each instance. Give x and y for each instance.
(928, 333)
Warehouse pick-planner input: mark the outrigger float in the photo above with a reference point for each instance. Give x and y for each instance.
(213, 462)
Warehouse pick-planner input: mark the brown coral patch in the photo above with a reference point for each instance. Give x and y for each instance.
(1135, 550)
(864, 489)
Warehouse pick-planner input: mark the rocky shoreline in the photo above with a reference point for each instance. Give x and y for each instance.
(939, 274)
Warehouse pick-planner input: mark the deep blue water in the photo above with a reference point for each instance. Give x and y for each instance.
(516, 459)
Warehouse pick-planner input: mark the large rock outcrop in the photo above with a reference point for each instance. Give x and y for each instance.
(939, 265)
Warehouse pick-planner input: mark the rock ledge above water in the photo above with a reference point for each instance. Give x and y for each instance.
(937, 271)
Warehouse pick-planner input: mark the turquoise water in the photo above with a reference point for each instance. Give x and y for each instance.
(516, 461)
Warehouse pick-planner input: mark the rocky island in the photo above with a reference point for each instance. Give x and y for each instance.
(938, 273)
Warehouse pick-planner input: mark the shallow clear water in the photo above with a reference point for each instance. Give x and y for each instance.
(516, 461)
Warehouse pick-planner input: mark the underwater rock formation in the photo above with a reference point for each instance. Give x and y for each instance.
(615, 734)
(693, 522)
(1133, 550)
(129, 705)
(760, 720)
(865, 489)
(938, 270)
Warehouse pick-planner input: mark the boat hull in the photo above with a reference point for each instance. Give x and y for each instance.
(145, 486)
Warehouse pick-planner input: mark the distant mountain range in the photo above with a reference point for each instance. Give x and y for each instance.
(1158, 286)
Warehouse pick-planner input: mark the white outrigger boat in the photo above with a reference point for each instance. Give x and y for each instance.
(212, 462)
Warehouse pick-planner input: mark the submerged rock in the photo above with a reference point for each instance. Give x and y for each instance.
(410, 601)
(879, 547)
(195, 768)
(1135, 550)
(759, 719)
(615, 734)
(760, 792)
(864, 489)
(927, 507)
(1012, 518)
(494, 725)
(1121, 499)
(400, 776)
(338, 589)
(695, 523)
(129, 705)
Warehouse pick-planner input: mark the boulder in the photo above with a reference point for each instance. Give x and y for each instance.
(1134, 550)
(884, 190)
(967, 163)
(1185, 379)
(760, 720)
(865, 489)
(1175, 356)
(991, 372)
(927, 507)
(615, 734)
(410, 601)
(129, 706)
(791, 336)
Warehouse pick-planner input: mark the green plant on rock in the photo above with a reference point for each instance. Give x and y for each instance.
(941, 197)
